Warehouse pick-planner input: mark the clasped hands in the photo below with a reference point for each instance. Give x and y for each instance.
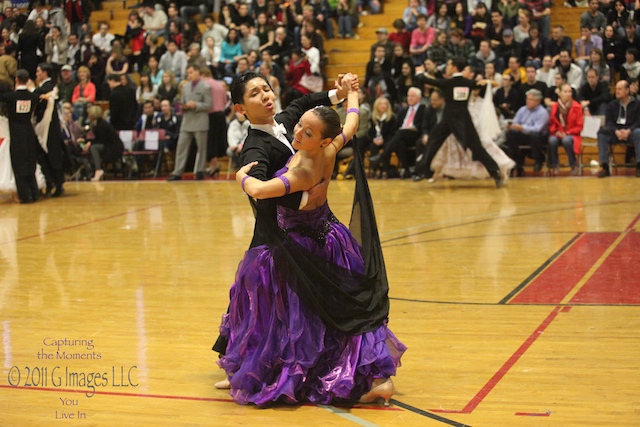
(346, 83)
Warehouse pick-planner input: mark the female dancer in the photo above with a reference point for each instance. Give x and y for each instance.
(288, 341)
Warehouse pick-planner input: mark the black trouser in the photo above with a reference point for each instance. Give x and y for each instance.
(399, 144)
(516, 139)
(27, 188)
(467, 135)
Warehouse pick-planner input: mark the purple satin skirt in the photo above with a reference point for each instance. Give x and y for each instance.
(279, 350)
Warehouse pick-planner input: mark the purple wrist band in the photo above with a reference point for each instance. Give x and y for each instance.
(344, 137)
(243, 180)
(353, 110)
(287, 185)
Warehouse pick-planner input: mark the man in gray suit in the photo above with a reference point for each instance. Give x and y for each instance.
(196, 102)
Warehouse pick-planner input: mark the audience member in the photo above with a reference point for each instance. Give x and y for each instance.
(594, 94)
(565, 125)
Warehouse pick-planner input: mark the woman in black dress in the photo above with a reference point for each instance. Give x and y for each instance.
(29, 42)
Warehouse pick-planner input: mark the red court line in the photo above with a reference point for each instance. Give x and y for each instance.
(533, 414)
(633, 223)
(616, 281)
(559, 278)
(497, 377)
(164, 396)
(82, 224)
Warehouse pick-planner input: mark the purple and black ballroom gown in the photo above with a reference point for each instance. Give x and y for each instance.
(279, 349)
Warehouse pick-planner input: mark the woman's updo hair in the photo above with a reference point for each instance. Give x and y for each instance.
(329, 117)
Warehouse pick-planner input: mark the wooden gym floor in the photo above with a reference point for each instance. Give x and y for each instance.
(520, 306)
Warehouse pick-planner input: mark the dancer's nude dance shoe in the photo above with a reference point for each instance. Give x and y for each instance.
(381, 388)
(223, 385)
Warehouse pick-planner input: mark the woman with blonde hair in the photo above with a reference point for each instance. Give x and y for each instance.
(106, 146)
(117, 62)
(383, 125)
(168, 88)
(84, 92)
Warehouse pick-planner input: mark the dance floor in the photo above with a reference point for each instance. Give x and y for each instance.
(519, 306)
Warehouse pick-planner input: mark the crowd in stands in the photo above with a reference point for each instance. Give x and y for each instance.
(537, 74)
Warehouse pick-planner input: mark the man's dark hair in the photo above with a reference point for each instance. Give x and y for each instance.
(459, 62)
(47, 68)
(240, 85)
(22, 76)
(114, 77)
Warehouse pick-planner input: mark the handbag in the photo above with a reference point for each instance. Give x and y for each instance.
(312, 82)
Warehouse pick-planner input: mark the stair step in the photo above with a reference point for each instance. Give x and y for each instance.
(360, 56)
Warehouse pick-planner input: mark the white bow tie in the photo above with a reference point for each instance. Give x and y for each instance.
(279, 130)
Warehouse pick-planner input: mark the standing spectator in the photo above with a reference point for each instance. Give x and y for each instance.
(565, 125)
(217, 134)
(594, 94)
(78, 13)
(621, 126)
(196, 102)
(55, 48)
(122, 104)
(8, 69)
(57, 17)
(530, 127)
(29, 44)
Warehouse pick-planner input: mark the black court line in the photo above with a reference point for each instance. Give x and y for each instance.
(539, 269)
(479, 236)
(428, 414)
(479, 221)
(538, 304)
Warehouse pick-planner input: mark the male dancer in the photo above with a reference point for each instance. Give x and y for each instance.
(457, 120)
(51, 163)
(269, 144)
(24, 143)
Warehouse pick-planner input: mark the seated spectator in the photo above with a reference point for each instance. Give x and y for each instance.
(571, 70)
(462, 20)
(265, 33)
(507, 99)
(381, 129)
(459, 46)
(236, 134)
(594, 94)
(421, 38)
(631, 68)
(155, 73)
(298, 67)
(553, 92)
(266, 69)
(411, 120)
(146, 90)
(440, 20)
(55, 48)
(494, 32)
(404, 82)
(507, 49)
(248, 40)
(593, 18)
(438, 52)
(154, 18)
(530, 127)
(399, 57)
(173, 33)
(558, 43)
(532, 82)
(84, 92)
(347, 11)
(533, 48)
(192, 7)
(311, 53)
(585, 44)
(102, 39)
(214, 29)
(401, 35)
(617, 17)
(521, 31)
(381, 84)
(613, 50)
(383, 41)
(230, 52)
(97, 69)
(106, 145)
(148, 119)
(190, 34)
(151, 48)
(117, 62)
(510, 10)
(194, 58)
(543, 73)
(491, 75)
(432, 116)
(66, 84)
(170, 123)
(169, 88)
(484, 55)
(516, 70)
(378, 58)
(281, 47)
(76, 144)
(134, 36)
(411, 13)
(631, 39)
(565, 125)
(598, 62)
(174, 60)
(540, 14)
(480, 22)
(621, 126)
